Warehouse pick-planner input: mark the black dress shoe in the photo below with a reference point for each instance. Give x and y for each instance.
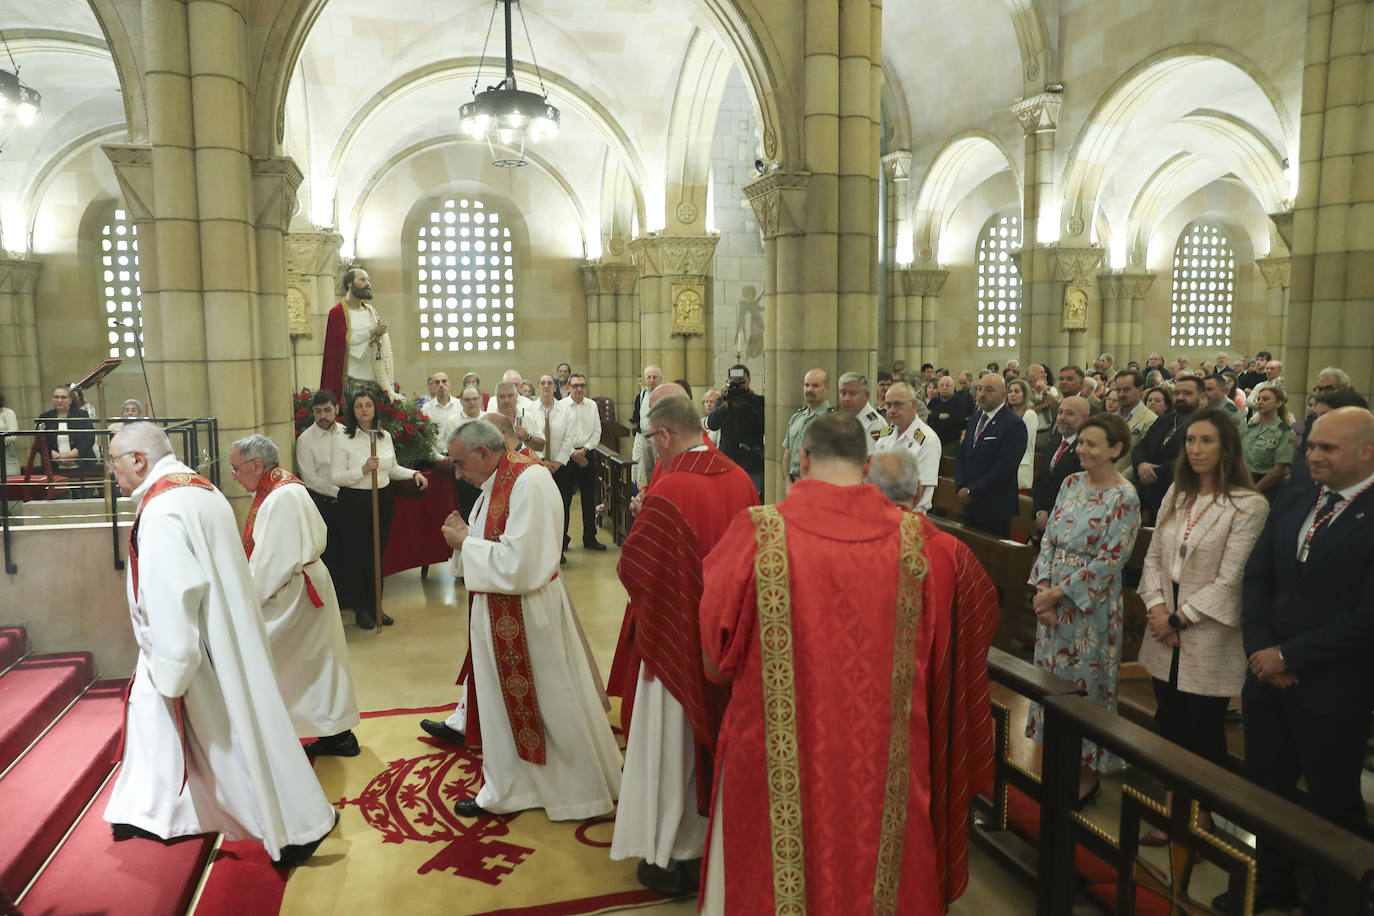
(593, 545)
(344, 744)
(365, 621)
(297, 854)
(441, 731)
(468, 807)
(386, 620)
(678, 880)
(130, 832)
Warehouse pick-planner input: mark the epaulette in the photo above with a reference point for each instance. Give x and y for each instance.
(919, 436)
(799, 410)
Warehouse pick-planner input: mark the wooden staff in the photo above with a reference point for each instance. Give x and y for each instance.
(376, 534)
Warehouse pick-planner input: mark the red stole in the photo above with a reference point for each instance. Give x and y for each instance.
(160, 486)
(509, 645)
(274, 478)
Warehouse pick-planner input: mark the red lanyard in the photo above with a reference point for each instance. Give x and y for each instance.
(1320, 519)
(1189, 522)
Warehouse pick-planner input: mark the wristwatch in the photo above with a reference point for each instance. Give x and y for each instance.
(1176, 622)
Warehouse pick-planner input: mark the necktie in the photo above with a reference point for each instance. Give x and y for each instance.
(548, 436)
(1323, 518)
(1059, 452)
(978, 430)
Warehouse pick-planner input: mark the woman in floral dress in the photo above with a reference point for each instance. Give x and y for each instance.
(1088, 540)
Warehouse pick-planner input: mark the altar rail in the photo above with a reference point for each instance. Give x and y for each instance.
(1073, 854)
(194, 439)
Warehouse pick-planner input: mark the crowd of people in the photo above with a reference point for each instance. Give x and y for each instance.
(1259, 579)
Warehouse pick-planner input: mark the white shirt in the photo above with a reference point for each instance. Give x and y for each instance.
(447, 416)
(575, 426)
(922, 441)
(1346, 496)
(874, 424)
(314, 452)
(541, 422)
(346, 462)
(1026, 471)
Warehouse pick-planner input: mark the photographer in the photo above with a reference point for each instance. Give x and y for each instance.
(738, 415)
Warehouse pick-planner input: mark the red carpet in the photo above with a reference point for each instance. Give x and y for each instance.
(242, 880)
(33, 693)
(50, 785)
(93, 874)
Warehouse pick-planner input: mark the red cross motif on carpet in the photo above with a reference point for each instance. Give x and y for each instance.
(413, 800)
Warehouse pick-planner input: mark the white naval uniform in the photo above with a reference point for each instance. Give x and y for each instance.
(581, 774)
(875, 424)
(200, 637)
(921, 440)
(307, 642)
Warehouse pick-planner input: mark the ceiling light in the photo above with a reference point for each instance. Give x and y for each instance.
(505, 113)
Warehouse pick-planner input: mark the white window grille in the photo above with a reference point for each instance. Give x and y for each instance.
(1204, 288)
(466, 279)
(119, 266)
(999, 285)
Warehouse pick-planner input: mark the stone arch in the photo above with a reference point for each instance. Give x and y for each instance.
(739, 27)
(127, 67)
(1145, 85)
(38, 187)
(1039, 64)
(691, 127)
(960, 166)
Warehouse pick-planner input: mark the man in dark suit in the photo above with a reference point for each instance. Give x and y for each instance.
(985, 475)
(1154, 456)
(1061, 458)
(1308, 624)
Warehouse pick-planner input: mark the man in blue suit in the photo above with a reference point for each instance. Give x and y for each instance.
(985, 475)
(1308, 623)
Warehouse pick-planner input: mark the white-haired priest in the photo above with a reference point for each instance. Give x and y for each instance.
(284, 538)
(533, 702)
(208, 743)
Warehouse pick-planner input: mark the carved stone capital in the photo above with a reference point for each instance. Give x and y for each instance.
(1283, 222)
(923, 282)
(275, 180)
(1038, 113)
(133, 168)
(1278, 272)
(613, 279)
(779, 202)
(897, 165)
(312, 254)
(1074, 266)
(18, 275)
(665, 255)
(1118, 284)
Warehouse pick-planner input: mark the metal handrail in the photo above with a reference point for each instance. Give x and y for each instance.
(188, 432)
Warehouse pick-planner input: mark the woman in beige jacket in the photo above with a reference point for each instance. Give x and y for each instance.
(1208, 523)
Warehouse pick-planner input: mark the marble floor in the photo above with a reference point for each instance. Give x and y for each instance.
(415, 662)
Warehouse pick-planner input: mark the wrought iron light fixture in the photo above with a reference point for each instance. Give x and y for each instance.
(17, 100)
(504, 113)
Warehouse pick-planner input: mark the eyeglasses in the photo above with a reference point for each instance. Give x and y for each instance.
(110, 461)
(578, 385)
(1327, 388)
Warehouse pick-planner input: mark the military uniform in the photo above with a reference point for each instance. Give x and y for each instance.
(1265, 445)
(921, 441)
(875, 424)
(796, 429)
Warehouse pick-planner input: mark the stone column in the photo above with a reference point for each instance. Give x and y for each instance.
(780, 202)
(1042, 303)
(275, 180)
(912, 327)
(19, 374)
(612, 332)
(1330, 317)
(676, 324)
(1059, 336)
(894, 310)
(312, 277)
(1278, 276)
(1123, 312)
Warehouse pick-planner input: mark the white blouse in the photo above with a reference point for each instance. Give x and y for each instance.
(346, 462)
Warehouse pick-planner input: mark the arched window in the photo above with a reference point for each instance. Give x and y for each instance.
(1204, 287)
(466, 279)
(119, 265)
(999, 285)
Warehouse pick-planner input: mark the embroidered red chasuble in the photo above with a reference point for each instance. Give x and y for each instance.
(692, 503)
(857, 654)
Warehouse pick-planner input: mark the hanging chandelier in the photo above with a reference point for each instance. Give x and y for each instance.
(24, 101)
(504, 113)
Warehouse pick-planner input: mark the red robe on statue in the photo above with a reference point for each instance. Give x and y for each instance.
(335, 365)
(692, 503)
(843, 553)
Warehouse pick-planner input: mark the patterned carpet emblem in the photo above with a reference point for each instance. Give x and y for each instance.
(413, 800)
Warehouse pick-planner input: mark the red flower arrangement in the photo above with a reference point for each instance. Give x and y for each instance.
(413, 435)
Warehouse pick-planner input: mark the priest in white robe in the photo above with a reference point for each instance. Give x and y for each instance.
(284, 538)
(546, 742)
(208, 744)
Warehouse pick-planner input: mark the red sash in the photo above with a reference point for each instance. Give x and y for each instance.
(274, 478)
(512, 652)
(160, 486)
